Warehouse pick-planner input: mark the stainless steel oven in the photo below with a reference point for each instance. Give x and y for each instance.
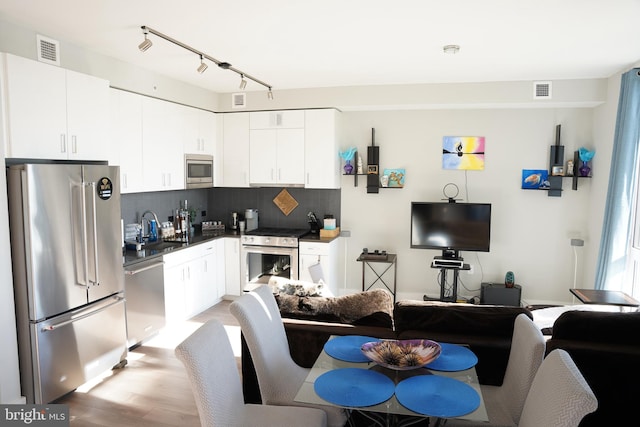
(267, 252)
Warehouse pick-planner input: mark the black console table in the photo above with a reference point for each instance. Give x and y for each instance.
(390, 259)
(444, 270)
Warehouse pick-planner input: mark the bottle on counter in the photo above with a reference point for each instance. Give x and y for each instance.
(176, 224)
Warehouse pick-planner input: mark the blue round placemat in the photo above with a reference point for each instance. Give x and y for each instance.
(452, 358)
(347, 347)
(437, 396)
(354, 387)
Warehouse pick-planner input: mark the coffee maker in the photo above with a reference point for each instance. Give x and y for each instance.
(234, 221)
(251, 217)
(314, 223)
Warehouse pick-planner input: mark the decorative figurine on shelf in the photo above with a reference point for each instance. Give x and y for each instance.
(585, 157)
(509, 279)
(359, 171)
(347, 156)
(570, 166)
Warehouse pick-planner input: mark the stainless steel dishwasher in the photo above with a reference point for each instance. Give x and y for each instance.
(144, 293)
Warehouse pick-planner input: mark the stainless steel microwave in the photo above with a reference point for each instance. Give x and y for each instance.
(198, 170)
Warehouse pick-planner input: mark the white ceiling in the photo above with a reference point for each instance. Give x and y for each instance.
(300, 44)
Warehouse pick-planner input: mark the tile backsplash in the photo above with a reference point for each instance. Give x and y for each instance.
(218, 203)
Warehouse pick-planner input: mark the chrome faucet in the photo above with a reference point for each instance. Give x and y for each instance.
(155, 217)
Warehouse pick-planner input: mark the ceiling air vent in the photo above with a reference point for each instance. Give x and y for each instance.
(238, 100)
(541, 90)
(48, 50)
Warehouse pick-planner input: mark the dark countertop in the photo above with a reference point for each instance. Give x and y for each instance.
(130, 257)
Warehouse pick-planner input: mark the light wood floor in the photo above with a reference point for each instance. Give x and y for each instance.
(153, 389)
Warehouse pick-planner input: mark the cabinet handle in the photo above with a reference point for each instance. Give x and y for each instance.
(279, 174)
(74, 145)
(163, 180)
(169, 179)
(278, 119)
(63, 143)
(124, 180)
(307, 177)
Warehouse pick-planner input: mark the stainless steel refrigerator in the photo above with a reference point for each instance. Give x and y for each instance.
(68, 277)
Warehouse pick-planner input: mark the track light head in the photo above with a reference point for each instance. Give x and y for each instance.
(146, 43)
(224, 65)
(243, 82)
(270, 94)
(202, 67)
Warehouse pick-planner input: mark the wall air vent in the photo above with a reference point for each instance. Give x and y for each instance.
(48, 50)
(238, 100)
(541, 90)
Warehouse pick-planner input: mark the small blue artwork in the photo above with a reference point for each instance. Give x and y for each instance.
(535, 179)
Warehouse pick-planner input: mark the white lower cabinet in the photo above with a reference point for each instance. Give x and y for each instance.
(232, 266)
(329, 257)
(192, 281)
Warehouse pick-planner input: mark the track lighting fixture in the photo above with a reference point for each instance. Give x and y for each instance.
(146, 44)
(203, 67)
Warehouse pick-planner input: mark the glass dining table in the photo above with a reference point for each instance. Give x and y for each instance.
(390, 412)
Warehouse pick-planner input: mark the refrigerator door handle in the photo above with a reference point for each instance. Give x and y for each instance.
(66, 322)
(82, 240)
(94, 223)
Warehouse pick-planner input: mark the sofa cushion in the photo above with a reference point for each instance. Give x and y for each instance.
(487, 330)
(454, 318)
(370, 308)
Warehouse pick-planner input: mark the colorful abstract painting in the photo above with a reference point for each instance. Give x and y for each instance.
(395, 177)
(535, 179)
(463, 152)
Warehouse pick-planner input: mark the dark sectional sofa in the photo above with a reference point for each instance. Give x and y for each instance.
(310, 321)
(606, 348)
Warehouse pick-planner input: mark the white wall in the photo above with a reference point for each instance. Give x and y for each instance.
(9, 368)
(531, 232)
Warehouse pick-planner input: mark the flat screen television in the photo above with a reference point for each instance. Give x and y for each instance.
(451, 227)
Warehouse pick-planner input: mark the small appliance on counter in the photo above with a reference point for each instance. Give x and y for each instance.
(314, 223)
(233, 224)
(251, 218)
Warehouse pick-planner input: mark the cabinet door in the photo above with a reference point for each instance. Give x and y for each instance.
(235, 150)
(288, 119)
(322, 164)
(263, 154)
(220, 269)
(290, 156)
(126, 135)
(208, 131)
(87, 117)
(232, 266)
(37, 109)
(190, 122)
(174, 293)
(163, 163)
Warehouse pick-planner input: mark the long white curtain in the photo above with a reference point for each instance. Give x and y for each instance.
(618, 221)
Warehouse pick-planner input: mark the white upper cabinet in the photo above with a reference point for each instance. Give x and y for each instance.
(55, 113)
(163, 162)
(235, 141)
(199, 131)
(322, 163)
(276, 147)
(126, 139)
(291, 119)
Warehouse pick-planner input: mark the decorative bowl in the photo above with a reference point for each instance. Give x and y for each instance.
(402, 355)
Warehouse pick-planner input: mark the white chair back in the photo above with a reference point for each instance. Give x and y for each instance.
(208, 358)
(559, 395)
(525, 357)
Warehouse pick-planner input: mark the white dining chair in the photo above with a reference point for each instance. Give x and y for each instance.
(559, 395)
(504, 403)
(211, 367)
(279, 377)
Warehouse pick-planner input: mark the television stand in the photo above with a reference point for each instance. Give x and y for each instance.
(446, 264)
